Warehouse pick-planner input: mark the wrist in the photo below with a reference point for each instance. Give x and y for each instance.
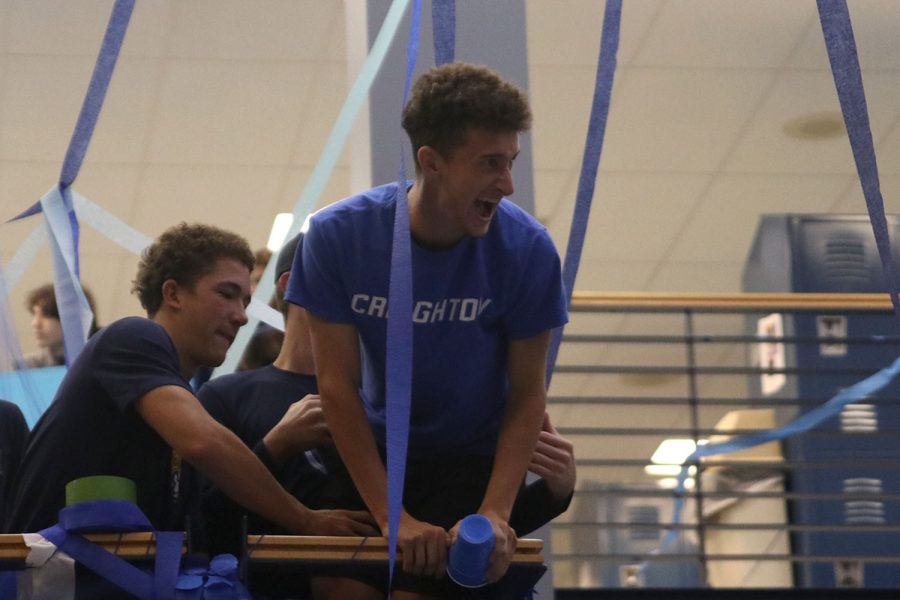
(275, 446)
(304, 518)
(494, 514)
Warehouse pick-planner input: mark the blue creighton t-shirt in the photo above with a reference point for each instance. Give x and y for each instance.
(469, 301)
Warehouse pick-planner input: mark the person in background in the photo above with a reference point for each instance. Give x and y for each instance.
(47, 328)
(261, 260)
(266, 341)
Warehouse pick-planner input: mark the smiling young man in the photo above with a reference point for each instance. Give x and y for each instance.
(487, 291)
(125, 407)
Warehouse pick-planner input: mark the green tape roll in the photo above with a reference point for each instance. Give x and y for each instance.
(100, 487)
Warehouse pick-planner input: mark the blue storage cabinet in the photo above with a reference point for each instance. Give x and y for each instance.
(835, 253)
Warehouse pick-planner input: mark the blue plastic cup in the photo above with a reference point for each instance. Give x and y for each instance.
(470, 554)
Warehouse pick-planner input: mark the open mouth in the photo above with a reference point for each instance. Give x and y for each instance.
(485, 208)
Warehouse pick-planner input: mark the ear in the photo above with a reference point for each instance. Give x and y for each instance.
(171, 294)
(429, 159)
(282, 282)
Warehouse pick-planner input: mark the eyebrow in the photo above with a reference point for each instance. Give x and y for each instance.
(233, 287)
(499, 155)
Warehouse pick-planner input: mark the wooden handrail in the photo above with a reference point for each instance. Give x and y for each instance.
(375, 549)
(282, 548)
(729, 302)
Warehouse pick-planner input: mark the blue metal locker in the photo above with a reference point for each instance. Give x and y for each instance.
(835, 253)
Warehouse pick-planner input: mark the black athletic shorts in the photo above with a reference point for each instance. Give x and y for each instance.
(440, 492)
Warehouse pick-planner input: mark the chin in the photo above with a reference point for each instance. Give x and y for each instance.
(214, 360)
(480, 232)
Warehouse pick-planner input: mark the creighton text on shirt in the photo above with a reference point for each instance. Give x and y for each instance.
(448, 309)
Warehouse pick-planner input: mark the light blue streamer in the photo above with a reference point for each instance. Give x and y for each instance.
(24, 256)
(75, 313)
(323, 169)
(109, 225)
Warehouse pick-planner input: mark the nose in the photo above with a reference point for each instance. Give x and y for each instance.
(241, 315)
(505, 181)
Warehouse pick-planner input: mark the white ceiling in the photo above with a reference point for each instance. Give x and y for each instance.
(218, 111)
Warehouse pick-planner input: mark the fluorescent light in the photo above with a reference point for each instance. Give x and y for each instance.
(280, 228)
(670, 483)
(670, 455)
(673, 451)
(667, 470)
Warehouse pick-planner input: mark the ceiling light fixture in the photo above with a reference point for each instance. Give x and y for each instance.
(815, 126)
(280, 227)
(670, 456)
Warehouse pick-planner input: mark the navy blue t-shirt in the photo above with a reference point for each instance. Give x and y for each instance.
(13, 433)
(92, 428)
(250, 403)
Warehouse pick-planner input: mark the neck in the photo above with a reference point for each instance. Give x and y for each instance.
(187, 367)
(296, 354)
(426, 225)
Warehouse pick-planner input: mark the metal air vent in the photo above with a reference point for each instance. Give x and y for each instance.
(859, 418)
(845, 261)
(864, 512)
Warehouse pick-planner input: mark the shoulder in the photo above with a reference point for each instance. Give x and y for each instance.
(378, 200)
(133, 330)
(10, 410)
(517, 229)
(513, 220)
(226, 385)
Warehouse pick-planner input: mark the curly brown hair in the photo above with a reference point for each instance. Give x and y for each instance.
(449, 99)
(185, 253)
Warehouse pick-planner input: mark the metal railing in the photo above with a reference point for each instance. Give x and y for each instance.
(821, 509)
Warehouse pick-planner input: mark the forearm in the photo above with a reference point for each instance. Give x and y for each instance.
(219, 455)
(234, 469)
(355, 443)
(515, 444)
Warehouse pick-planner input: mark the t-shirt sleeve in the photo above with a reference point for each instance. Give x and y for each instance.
(134, 358)
(540, 299)
(316, 281)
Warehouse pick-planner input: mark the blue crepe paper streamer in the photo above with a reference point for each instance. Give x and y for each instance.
(443, 26)
(839, 40)
(399, 339)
